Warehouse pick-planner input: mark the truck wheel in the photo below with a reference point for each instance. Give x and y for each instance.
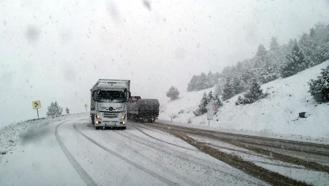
(124, 128)
(97, 128)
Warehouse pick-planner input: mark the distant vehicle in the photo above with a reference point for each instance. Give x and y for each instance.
(108, 103)
(143, 109)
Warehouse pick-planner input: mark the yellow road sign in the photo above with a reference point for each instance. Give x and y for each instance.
(36, 104)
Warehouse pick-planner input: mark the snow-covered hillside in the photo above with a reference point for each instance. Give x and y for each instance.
(275, 115)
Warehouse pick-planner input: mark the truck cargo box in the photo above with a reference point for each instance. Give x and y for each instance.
(143, 109)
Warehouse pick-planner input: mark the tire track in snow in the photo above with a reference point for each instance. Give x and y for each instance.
(163, 141)
(150, 172)
(299, 146)
(82, 173)
(164, 168)
(218, 146)
(181, 156)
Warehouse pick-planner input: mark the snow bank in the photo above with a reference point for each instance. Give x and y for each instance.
(275, 115)
(21, 132)
(10, 135)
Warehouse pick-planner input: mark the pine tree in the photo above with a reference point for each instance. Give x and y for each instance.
(210, 96)
(217, 103)
(202, 81)
(191, 85)
(274, 45)
(319, 88)
(308, 46)
(254, 93)
(263, 68)
(261, 51)
(54, 110)
(218, 90)
(240, 101)
(248, 75)
(296, 62)
(322, 53)
(237, 85)
(202, 108)
(203, 104)
(173, 93)
(228, 90)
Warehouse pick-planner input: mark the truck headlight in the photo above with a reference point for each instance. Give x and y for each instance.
(99, 116)
(123, 118)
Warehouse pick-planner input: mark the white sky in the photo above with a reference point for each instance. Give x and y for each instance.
(56, 50)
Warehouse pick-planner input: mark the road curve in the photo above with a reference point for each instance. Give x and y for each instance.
(152, 173)
(82, 173)
(69, 151)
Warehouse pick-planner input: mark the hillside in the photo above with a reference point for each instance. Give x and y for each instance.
(275, 116)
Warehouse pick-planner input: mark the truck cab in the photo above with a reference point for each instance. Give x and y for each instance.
(109, 98)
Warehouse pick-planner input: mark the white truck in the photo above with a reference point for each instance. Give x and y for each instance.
(108, 104)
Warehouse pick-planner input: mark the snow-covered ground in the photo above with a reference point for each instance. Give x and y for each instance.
(290, 170)
(274, 116)
(11, 134)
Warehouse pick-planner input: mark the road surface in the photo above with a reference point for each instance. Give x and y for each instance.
(70, 151)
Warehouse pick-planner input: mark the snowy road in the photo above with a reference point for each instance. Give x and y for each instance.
(297, 161)
(70, 151)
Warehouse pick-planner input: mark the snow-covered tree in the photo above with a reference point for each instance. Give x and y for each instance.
(210, 96)
(254, 93)
(265, 63)
(215, 100)
(274, 45)
(261, 51)
(322, 53)
(247, 76)
(202, 108)
(319, 88)
(308, 46)
(54, 110)
(206, 99)
(237, 86)
(217, 103)
(202, 81)
(228, 90)
(279, 60)
(191, 85)
(240, 101)
(218, 90)
(173, 93)
(296, 62)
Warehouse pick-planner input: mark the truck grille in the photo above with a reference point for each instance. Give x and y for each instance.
(110, 115)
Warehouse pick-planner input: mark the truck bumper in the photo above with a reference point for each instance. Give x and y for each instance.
(111, 124)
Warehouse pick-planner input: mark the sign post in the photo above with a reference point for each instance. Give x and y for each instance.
(36, 105)
(210, 111)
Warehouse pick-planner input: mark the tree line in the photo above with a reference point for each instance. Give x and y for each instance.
(278, 61)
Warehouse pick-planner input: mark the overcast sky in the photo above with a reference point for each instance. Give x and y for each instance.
(56, 50)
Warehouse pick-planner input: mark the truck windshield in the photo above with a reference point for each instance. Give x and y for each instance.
(110, 96)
